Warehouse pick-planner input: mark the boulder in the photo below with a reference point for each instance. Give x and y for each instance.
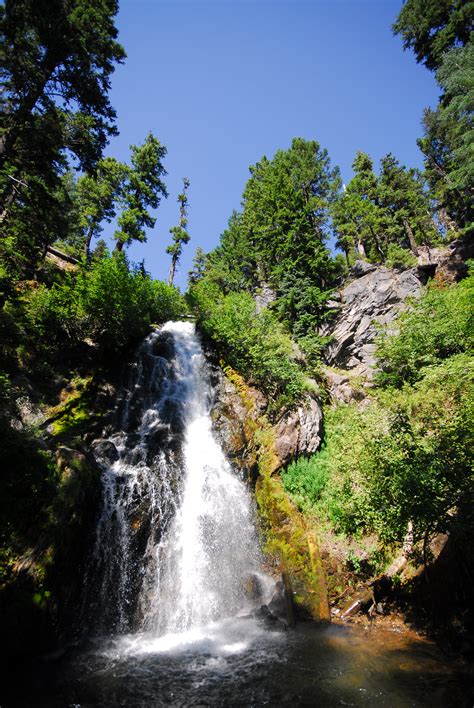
(361, 268)
(299, 431)
(341, 388)
(264, 297)
(105, 450)
(449, 262)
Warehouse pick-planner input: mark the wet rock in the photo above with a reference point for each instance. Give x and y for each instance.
(105, 450)
(253, 588)
(281, 604)
(233, 416)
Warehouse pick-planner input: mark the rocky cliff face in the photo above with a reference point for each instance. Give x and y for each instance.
(374, 297)
(237, 411)
(259, 450)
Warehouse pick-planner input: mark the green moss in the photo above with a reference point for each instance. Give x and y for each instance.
(288, 539)
(73, 415)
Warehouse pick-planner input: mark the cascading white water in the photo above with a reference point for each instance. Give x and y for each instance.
(176, 543)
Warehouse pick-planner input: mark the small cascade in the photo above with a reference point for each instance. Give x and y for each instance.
(176, 544)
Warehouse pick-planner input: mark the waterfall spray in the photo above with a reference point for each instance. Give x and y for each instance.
(176, 539)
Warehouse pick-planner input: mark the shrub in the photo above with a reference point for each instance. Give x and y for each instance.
(256, 345)
(111, 303)
(438, 326)
(398, 257)
(405, 458)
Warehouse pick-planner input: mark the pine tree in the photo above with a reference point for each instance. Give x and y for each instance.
(406, 206)
(198, 269)
(448, 142)
(180, 233)
(96, 198)
(142, 188)
(286, 210)
(57, 57)
(357, 217)
(431, 27)
(117, 189)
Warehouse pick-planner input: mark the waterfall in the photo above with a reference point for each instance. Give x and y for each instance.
(176, 544)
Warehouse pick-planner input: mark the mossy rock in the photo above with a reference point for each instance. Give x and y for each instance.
(288, 538)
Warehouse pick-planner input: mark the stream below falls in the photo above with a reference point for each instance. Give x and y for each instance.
(174, 586)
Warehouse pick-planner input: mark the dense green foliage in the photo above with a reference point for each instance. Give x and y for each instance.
(407, 457)
(439, 326)
(377, 213)
(254, 344)
(431, 27)
(57, 59)
(440, 32)
(111, 304)
(448, 142)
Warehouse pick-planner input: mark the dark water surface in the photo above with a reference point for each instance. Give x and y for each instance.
(239, 662)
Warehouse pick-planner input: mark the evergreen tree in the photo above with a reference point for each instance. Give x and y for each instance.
(448, 142)
(357, 217)
(96, 198)
(127, 190)
(405, 205)
(286, 211)
(234, 263)
(198, 269)
(180, 233)
(141, 189)
(57, 57)
(431, 27)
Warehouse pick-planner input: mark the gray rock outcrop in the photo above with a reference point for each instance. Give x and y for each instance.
(235, 416)
(373, 298)
(299, 431)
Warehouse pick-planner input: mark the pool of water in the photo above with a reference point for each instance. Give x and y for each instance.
(243, 662)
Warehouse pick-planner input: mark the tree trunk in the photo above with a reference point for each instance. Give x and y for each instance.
(11, 195)
(446, 221)
(411, 237)
(87, 244)
(172, 271)
(360, 248)
(119, 246)
(377, 242)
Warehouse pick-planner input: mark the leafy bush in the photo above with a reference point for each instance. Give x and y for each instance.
(329, 484)
(398, 257)
(406, 458)
(254, 344)
(438, 326)
(110, 303)
(305, 479)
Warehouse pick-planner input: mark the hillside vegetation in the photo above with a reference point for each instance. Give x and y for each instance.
(399, 465)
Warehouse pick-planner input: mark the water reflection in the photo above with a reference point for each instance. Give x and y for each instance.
(240, 662)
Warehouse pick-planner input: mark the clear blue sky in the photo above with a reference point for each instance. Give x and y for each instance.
(223, 82)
